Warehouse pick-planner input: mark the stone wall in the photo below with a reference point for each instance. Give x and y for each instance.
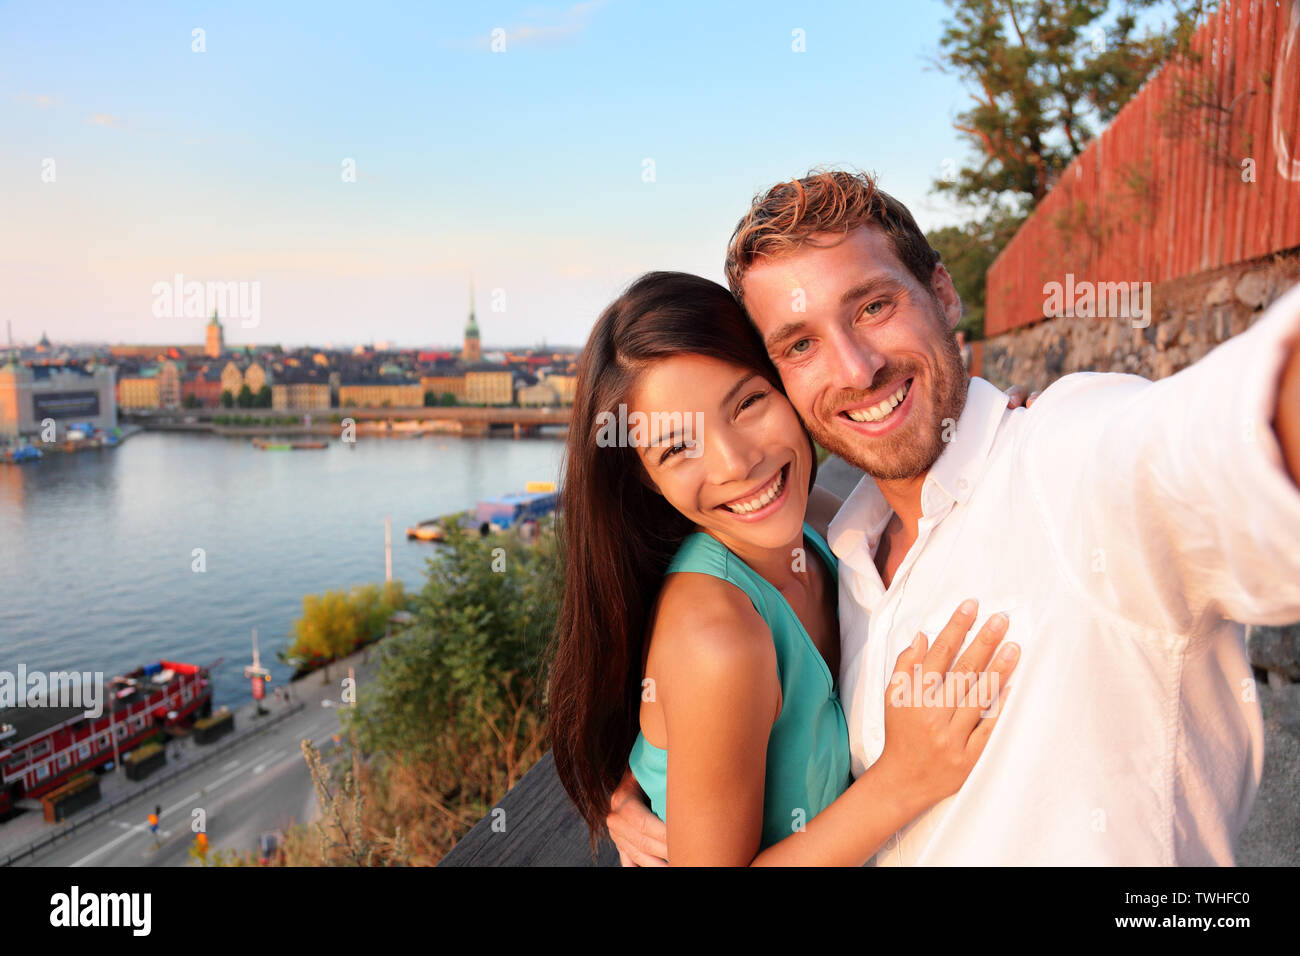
(1189, 317)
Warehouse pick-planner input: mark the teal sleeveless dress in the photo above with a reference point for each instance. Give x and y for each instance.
(808, 750)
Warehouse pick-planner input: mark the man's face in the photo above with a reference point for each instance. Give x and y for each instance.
(866, 352)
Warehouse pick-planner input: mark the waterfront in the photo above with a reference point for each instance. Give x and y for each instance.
(97, 548)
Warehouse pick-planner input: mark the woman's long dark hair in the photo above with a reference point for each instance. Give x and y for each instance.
(617, 533)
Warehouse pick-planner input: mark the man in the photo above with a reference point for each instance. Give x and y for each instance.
(1123, 524)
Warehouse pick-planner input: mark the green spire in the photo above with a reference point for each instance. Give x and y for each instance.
(471, 327)
(214, 320)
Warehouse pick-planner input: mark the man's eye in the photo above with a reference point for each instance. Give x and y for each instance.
(875, 308)
(796, 350)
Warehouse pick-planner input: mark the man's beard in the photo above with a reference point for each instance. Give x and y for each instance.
(910, 450)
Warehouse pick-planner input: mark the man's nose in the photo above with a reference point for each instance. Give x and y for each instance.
(854, 363)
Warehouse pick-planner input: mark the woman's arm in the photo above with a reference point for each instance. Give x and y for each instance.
(718, 687)
(929, 749)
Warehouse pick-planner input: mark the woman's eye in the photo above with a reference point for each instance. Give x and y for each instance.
(751, 400)
(668, 453)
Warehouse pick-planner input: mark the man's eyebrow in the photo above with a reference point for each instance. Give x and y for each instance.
(866, 287)
(783, 333)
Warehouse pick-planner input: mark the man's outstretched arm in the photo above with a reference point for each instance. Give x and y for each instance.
(1180, 498)
(1286, 417)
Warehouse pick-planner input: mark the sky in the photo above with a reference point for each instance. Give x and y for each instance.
(596, 141)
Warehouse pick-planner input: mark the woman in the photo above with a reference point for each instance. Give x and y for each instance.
(698, 618)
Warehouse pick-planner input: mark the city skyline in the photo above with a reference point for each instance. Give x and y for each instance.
(279, 154)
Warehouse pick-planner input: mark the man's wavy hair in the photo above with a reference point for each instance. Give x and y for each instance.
(782, 219)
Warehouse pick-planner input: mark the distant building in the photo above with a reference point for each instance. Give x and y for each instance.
(255, 377)
(489, 385)
(379, 393)
(216, 343)
(566, 386)
(140, 391)
(67, 394)
(204, 386)
(300, 393)
(169, 385)
(537, 395)
(232, 379)
(473, 349)
(442, 385)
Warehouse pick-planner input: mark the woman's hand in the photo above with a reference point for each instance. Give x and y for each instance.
(935, 728)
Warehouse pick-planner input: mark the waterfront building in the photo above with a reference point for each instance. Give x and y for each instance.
(255, 377)
(565, 386)
(204, 385)
(380, 393)
(67, 394)
(537, 395)
(300, 392)
(487, 384)
(232, 379)
(169, 385)
(442, 385)
(216, 343)
(140, 391)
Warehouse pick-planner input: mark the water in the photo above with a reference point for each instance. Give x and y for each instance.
(97, 547)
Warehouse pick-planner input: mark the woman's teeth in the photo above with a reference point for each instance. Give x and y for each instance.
(760, 500)
(879, 412)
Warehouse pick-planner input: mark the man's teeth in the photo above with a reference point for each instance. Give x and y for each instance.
(877, 412)
(758, 501)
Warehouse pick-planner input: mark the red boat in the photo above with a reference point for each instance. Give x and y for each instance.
(41, 748)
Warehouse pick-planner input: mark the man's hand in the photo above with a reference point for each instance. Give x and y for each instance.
(1286, 418)
(640, 836)
(1016, 396)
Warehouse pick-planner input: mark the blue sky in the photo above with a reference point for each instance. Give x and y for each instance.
(522, 168)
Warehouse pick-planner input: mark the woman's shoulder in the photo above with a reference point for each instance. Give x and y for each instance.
(703, 621)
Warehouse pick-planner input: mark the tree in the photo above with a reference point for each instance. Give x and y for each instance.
(263, 399)
(430, 400)
(447, 399)
(967, 252)
(191, 401)
(245, 399)
(1045, 75)
(227, 400)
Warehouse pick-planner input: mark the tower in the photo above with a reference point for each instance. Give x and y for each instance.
(216, 343)
(473, 350)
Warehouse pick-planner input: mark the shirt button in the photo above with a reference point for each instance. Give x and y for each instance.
(963, 484)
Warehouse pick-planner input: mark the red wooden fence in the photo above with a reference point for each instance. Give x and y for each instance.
(1165, 190)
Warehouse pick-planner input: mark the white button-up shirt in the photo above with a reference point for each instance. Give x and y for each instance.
(1124, 525)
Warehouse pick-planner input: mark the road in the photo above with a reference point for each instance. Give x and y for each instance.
(260, 784)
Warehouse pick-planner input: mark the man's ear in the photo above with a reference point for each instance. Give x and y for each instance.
(943, 289)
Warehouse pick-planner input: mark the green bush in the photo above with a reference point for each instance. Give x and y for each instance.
(475, 650)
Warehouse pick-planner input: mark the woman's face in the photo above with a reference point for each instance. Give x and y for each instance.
(724, 447)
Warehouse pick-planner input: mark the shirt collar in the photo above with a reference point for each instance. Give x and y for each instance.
(856, 529)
